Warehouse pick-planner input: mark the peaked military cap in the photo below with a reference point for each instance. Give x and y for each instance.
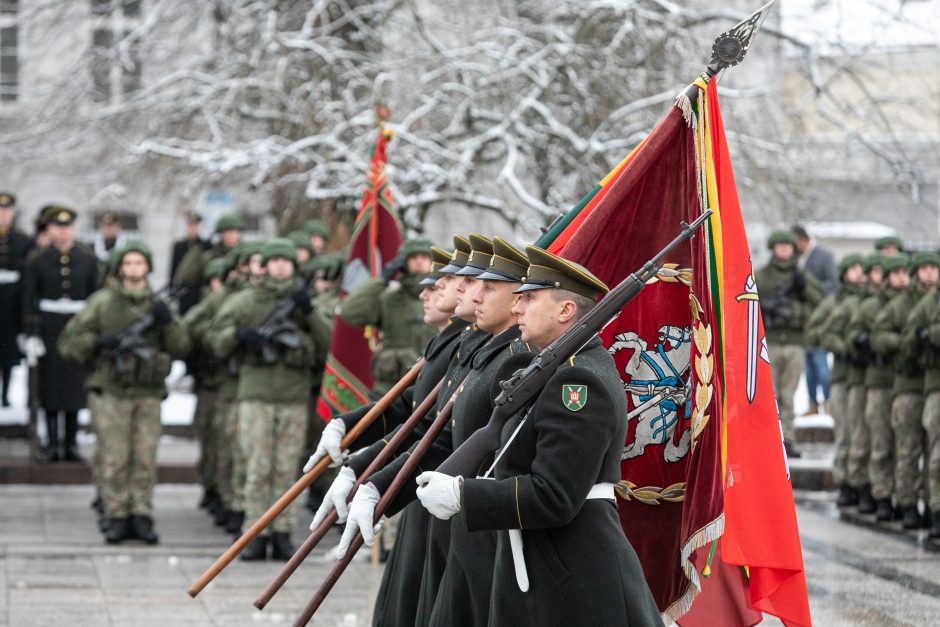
(889, 240)
(781, 236)
(192, 216)
(925, 258)
(508, 263)
(316, 227)
(850, 260)
(62, 216)
(278, 247)
(458, 260)
(439, 259)
(108, 217)
(7, 199)
(479, 259)
(899, 261)
(415, 246)
(548, 271)
(229, 222)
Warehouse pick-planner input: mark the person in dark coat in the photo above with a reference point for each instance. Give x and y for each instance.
(180, 247)
(14, 248)
(554, 478)
(56, 282)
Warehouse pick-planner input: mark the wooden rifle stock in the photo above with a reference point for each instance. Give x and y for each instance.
(377, 464)
(527, 384)
(410, 466)
(303, 483)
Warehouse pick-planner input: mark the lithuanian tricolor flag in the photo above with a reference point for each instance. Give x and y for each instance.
(705, 497)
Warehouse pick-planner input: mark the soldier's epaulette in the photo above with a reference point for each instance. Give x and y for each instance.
(519, 346)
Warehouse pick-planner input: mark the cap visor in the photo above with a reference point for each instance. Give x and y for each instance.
(450, 268)
(469, 271)
(531, 287)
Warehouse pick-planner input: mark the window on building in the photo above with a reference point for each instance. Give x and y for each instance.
(9, 57)
(115, 59)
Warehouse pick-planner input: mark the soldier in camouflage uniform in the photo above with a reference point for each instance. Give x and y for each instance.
(921, 341)
(227, 508)
(908, 406)
(788, 297)
(879, 376)
(304, 253)
(192, 266)
(273, 385)
(393, 308)
(847, 371)
(130, 383)
(204, 369)
(319, 236)
(888, 245)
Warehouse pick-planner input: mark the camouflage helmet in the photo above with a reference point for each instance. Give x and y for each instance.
(133, 246)
(316, 227)
(247, 250)
(889, 240)
(228, 222)
(217, 268)
(278, 247)
(328, 267)
(781, 236)
(899, 261)
(924, 258)
(416, 246)
(848, 261)
(872, 261)
(301, 240)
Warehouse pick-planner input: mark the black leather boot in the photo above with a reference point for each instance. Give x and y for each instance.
(117, 531)
(234, 523)
(935, 529)
(866, 502)
(71, 433)
(884, 511)
(911, 519)
(256, 551)
(142, 528)
(281, 548)
(848, 496)
(51, 452)
(221, 516)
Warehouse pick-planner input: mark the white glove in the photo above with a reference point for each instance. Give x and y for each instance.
(32, 347)
(361, 518)
(336, 497)
(331, 443)
(439, 493)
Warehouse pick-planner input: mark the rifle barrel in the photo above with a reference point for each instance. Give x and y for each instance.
(377, 464)
(410, 466)
(303, 483)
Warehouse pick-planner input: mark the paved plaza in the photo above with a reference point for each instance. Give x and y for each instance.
(55, 570)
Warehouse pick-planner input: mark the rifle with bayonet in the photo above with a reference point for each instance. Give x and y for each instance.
(524, 386)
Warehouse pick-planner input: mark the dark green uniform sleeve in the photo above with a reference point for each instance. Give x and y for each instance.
(221, 334)
(175, 339)
(570, 448)
(833, 337)
(361, 308)
(77, 341)
(189, 272)
(814, 325)
(885, 338)
(911, 348)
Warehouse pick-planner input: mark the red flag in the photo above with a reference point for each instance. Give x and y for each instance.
(761, 531)
(375, 239)
(670, 495)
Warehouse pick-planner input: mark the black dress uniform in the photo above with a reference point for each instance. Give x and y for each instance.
(14, 248)
(55, 286)
(554, 482)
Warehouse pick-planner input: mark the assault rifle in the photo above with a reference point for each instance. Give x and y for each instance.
(776, 307)
(278, 329)
(525, 385)
(131, 342)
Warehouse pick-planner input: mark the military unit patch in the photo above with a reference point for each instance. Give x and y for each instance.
(574, 396)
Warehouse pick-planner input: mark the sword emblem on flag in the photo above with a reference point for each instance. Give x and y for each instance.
(756, 345)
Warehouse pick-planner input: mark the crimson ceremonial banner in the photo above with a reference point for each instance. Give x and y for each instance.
(375, 239)
(670, 498)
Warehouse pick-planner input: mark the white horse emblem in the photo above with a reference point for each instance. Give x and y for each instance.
(658, 387)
